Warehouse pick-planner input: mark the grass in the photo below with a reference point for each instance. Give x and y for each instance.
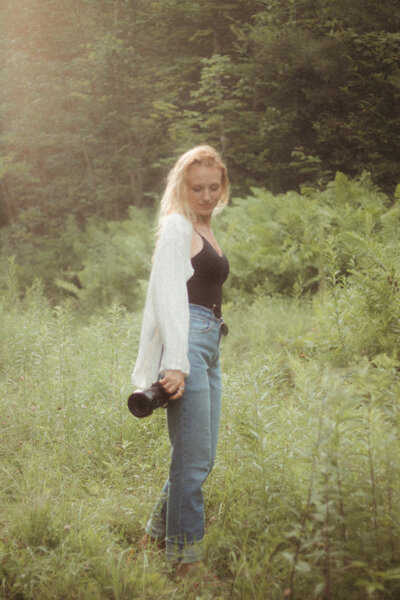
(304, 498)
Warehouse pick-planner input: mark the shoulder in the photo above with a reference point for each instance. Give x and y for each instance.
(176, 224)
(177, 221)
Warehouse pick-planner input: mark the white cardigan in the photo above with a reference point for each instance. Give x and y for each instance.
(165, 328)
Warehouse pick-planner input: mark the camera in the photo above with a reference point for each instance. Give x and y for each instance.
(142, 402)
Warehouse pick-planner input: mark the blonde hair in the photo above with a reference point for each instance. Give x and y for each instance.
(175, 197)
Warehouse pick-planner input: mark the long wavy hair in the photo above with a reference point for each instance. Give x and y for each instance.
(175, 197)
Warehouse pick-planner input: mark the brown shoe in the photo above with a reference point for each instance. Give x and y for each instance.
(197, 573)
(189, 569)
(147, 542)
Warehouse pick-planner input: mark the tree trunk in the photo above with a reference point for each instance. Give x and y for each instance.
(117, 10)
(92, 180)
(10, 211)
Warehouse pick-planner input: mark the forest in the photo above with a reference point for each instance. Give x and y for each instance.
(302, 98)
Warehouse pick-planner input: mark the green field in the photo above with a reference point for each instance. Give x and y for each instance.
(304, 498)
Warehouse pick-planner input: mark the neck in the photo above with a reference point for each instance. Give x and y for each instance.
(203, 223)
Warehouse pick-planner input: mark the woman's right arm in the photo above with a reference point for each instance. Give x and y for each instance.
(173, 382)
(171, 269)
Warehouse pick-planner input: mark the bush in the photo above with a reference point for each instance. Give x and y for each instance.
(105, 263)
(278, 243)
(115, 259)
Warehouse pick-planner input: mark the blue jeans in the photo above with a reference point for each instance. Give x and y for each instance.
(193, 422)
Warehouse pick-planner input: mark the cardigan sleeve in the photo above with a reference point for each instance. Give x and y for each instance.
(171, 269)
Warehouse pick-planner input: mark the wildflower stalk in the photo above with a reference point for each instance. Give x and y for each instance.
(307, 511)
(327, 570)
(372, 473)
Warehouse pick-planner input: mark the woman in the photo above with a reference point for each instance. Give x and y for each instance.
(179, 345)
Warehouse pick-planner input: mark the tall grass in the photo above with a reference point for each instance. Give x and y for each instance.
(304, 498)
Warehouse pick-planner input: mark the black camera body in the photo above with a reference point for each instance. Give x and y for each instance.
(142, 402)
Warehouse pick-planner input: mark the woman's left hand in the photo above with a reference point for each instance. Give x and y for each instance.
(173, 383)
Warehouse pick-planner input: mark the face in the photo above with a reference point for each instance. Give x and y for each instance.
(204, 190)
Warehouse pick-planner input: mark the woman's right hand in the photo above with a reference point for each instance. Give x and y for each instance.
(173, 383)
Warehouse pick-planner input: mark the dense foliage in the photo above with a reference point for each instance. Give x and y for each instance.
(98, 96)
(343, 238)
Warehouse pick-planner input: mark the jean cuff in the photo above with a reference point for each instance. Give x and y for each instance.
(155, 529)
(187, 553)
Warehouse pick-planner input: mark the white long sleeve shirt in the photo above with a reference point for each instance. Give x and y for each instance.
(165, 327)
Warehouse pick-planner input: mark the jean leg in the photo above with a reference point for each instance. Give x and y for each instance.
(205, 436)
(215, 382)
(156, 525)
(189, 425)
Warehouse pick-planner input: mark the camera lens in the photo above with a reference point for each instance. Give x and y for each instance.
(142, 403)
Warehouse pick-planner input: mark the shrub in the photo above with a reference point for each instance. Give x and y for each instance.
(115, 259)
(277, 243)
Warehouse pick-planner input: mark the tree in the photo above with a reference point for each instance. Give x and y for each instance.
(98, 97)
(330, 72)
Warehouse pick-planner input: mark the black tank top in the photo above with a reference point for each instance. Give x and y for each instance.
(210, 272)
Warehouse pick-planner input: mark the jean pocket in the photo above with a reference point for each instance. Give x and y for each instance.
(200, 324)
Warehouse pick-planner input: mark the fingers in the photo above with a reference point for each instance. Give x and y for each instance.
(173, 383)
(175, 392)
(179, 393)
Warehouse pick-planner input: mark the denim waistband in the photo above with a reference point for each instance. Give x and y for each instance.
(203, 311)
